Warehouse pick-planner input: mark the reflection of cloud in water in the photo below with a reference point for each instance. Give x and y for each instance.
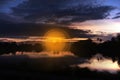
(98, 62)
(101, 64)
(46, 54)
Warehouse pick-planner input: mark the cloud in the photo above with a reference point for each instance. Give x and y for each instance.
(6, 5)
(31, 29)
(96, 26)
(3, 1)
(117, 15)
(62, 11)
(106, 28)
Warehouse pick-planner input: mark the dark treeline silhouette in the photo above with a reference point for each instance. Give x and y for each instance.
(13, 47)
(85, 48)
(110, 48)
(88, 48)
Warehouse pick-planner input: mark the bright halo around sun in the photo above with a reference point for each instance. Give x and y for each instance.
(55, 40)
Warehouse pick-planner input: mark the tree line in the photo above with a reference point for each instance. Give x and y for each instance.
(86, 48)
(13, 47)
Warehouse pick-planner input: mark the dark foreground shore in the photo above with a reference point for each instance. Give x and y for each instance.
(26, 68)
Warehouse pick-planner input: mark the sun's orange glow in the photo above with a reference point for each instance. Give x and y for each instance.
(55, 40)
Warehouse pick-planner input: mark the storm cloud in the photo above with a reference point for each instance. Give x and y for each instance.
(31, 29)
(61, 11)
(30, 17)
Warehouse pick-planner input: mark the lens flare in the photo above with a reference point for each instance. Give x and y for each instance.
(55, 40)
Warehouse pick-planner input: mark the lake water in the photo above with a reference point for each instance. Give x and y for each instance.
(97, 62)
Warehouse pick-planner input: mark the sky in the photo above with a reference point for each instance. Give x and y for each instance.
(81, 18)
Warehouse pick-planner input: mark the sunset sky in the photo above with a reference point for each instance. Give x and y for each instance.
(21, 19)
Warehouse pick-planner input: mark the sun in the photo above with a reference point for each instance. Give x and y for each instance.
(55, 40)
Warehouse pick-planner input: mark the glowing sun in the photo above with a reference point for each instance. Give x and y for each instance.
(55, 40)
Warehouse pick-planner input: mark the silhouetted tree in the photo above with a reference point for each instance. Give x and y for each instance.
(99, 39)
(88, 48)
(29, 48)
(37, 47)
(85, 48)
(13, 47)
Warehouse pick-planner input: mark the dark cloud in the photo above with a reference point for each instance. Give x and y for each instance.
(31, 29)
(3, 1)
(117, 15)
(7, 5)
(84, 13)
(61, 11)
(25, 13)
